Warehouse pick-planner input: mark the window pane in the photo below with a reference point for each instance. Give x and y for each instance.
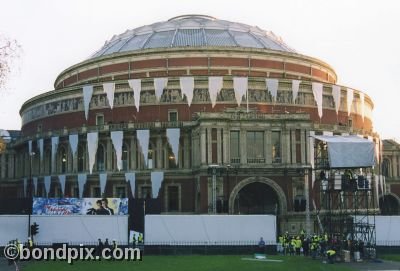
(255, 147)
(276, 146)
(235, 147)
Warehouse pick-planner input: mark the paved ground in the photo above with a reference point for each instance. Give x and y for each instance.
(5, 267)
(376, 265)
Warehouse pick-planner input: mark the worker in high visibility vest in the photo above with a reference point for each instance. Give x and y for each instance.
(140, 238)
(331, 255)
(298, 245)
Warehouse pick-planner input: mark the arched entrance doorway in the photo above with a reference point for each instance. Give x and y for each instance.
(257, 195)
(389, 204)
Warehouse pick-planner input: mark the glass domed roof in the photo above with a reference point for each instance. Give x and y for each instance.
(192, 31)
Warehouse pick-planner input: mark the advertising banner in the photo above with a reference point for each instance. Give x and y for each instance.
(77, 206)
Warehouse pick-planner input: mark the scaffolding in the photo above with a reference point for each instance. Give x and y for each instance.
(347, 204)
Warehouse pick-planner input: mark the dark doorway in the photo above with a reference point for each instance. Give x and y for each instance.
(389, 205)
(256, 198)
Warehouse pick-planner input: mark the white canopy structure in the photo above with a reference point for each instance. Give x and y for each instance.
(349, 151)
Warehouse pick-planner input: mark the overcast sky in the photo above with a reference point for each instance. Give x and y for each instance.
(359, 39)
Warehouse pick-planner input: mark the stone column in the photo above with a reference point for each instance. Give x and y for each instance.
(209, 146)
(219, 145)
(132, 153)
(293, 146)
(203, 147)
(159, 148)
(110, 153)
(226, 145)
(186, 146)
(303, 146)
(268, 147)
(243, 146)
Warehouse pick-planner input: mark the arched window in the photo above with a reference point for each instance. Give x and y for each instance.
(81, 158)
(125, 157)
(63, 160)
(101, 165)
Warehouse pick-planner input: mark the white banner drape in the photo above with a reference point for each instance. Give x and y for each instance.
(35, 183)
(336, 96)
(159, 85)
(143, 137)
(240, 87)
(61, 179)
(317, 89)
(103, 182)
(350, 96)
(136, 86)
(82, 178)
(295, 89)
(40, 146)
(92, 144)
(362, 100)
(215, 84)
(156, 180)
(131, 178)
(173, 135)
(187, 88)
(87, 97)
(73, 142)
(47, 184)
(54, 147)
(272, 86)
(117, 138)
(109, 89)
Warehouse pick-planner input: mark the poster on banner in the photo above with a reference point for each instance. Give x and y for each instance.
(77, 206)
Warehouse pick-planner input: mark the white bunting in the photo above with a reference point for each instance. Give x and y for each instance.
(214, 87)
(159, 85)
(30, 147)
(35, 183)
(40, 145)
(240, 88)
(61, 179)
(103, 182)
(87, 97)
(317, 89)
(136, 86)
(81, 183)
(143, 137)
(92, 144)
(109, 89)
(173, 135)
(187, 88)
(54, 147)
(73, 142)
(156, 180)
(272, 86)
(117, 138)
(362, 99)
(47, 184)
(295, 89)
(336, 97)
(25, 184)
(131, 178)
(350, 96)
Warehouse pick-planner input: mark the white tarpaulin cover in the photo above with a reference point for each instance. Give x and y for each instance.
(117, 138)
(317, 89)
(143, 137)
(109, 89)
(81, 183)
(240, 88)
(336, 97)
(156, 179)
(54, 146)
(92, 144)
(73, 142)
(349, 151)
(61, 178)
(131, 178)
(187, 88)
(210, 229)
(387, 228)
(362, 99)
(47, 184)
(35, 182)
(87, 96)
(214, 87)
(295, 89)
(173, 135)
(136, 86)
(103, 182)
(159, 85)
(272, 86)
(350, 96)
(40, 146)
(73, 229)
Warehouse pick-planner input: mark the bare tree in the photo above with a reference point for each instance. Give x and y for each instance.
(9, 51)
